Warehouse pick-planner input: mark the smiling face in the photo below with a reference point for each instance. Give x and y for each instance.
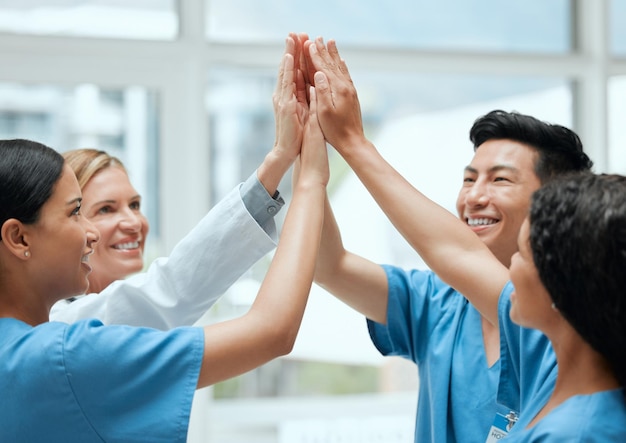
(530, 302)
(113, 205)
(495, 197)
(61, 241)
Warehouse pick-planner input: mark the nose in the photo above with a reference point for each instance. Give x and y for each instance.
(93, 235)
(477, 195)
(130, 221)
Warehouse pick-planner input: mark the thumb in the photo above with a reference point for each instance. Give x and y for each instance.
(321, 83)
(322, 88)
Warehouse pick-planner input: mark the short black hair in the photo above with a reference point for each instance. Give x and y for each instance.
(560, 149)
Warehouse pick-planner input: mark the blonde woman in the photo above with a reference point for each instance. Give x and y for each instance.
(235, 234)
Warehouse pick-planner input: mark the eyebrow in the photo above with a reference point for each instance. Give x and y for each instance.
(495, 168)
(134, 197)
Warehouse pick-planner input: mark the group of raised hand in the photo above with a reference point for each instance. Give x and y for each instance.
(315, 91)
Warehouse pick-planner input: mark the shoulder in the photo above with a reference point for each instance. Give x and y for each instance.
(422, 288)
(599, 417)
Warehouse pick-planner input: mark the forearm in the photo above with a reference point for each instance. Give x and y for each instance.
(356, 281)
(177, 290)
(293, 264)
(270, 327)
(447, 246)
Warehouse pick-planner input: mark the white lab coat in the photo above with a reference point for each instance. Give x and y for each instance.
(177, 290)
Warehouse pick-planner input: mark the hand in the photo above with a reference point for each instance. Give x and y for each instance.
(314, 156)
(338, 107)
(289, 100)
(290, 111)
(308, 70)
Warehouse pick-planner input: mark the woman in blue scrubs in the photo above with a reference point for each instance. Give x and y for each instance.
(569, 281)
(87, 382)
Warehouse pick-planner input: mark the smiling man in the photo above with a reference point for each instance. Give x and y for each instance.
(497, 186)
(414, 314)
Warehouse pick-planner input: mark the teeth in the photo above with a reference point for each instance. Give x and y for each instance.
(480, 221)
(129, 245)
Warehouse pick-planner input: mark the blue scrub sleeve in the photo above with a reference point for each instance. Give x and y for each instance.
(527, 359)
(134, 383)
(419, 303)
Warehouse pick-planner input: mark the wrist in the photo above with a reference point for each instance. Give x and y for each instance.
(272, 169)
(354, 146)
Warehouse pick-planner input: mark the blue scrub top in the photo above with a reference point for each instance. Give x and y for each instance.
(436, 327)
(527, 379)
(86, 382)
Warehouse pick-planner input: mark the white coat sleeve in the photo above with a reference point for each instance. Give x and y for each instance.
(178, 290)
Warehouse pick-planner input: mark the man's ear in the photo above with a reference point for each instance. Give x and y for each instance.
(12, 234)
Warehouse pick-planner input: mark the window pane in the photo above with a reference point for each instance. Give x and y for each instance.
(475, 25)
(134, 19)
(122, 122)
(242, 121)
(618, 27)
(617, 131)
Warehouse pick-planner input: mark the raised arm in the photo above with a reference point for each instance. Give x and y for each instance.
(269, 329)
(178, 289)
(358, 282)
(236, 233)
(448, 247)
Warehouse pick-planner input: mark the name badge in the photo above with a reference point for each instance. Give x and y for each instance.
(501, 426)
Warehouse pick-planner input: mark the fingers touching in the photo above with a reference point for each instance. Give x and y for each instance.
(314, 156)
(337, 109)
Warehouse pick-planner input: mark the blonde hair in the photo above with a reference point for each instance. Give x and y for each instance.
(88, 162)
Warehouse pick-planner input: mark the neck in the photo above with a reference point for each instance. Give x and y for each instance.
(582, 370)
(96, 285)
(32, 315)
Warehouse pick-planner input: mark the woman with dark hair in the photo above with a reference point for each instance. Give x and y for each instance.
(569, 283)
(84, 381)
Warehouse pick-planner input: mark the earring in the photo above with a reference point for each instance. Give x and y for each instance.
(554, 308)
(26, 253)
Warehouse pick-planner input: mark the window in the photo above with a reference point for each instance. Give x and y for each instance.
(92, 18)
(120, 121)
(617, 21)
(617, 132)
(454, 25)
(192, 117)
